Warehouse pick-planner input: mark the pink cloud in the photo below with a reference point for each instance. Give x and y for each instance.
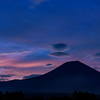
(21, 69)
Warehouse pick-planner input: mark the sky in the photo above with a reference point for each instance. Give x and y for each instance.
(36, 36)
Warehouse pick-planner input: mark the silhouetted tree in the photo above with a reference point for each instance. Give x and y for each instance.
(20, 96)
(66, 98)
(1, 95)
(36, 98)
(14, 96)
(55, 98)
(83, 96)
(75, 94)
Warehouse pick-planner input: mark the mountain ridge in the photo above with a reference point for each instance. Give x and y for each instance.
(72, 65)
(66, 78)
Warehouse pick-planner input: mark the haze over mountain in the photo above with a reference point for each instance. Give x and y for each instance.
(66, 78)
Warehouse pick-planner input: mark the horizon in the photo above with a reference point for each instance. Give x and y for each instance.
(76, 61)
(37, 36)
(36, 75)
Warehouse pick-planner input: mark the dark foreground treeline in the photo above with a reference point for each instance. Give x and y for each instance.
(21, 96)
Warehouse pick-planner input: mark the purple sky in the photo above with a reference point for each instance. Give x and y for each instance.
(37, 36)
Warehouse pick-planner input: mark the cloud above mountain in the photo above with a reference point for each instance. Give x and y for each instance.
(9, 75)
(59, 54)
(95, 56)
(59, 50)
(60, 47)
(30, 76)
(48, 64)
(6, 77)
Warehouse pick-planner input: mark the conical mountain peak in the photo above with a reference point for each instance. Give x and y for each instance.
(72, 64)
(68, 77)
(72, 68)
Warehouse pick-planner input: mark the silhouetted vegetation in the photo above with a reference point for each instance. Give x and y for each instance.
(20, 96)
(83, 96)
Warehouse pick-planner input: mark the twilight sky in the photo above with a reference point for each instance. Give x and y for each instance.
(37, 36)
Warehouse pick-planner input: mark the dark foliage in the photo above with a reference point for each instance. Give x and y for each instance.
(20, 96)
(36, 98)
(66, 98)
(1, 95)
(83, 96)
(13, 96)
(55, 98)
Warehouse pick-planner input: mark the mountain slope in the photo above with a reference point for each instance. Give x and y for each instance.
(66, 78)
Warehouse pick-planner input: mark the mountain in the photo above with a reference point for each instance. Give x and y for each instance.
(66, 78)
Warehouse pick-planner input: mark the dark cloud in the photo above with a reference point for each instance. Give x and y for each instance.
(3, 79)
(97, 55)
(48, 64)
(97, 68)
(39, 55)
(59, 47)
(30, 76)
(59, 50)
(9, 75)
(59, 54)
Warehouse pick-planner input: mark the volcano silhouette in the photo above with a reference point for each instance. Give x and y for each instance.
(66, 78)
